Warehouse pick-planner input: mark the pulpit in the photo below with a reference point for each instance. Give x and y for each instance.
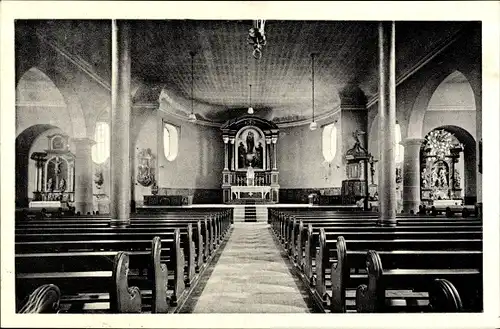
(250, 165)
(355, 187)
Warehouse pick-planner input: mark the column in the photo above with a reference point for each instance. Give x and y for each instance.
(268, 153)
(387, 121)
(274, 140)
(120, 125)
(411, 174)
(233, 154)
(226, 151)
(83, 175)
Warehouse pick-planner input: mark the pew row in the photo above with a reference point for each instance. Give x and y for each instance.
(456, 242)
(111, 279)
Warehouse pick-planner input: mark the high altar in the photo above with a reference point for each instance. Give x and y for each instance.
(250, 163)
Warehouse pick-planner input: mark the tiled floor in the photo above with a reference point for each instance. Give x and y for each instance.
(251, 277)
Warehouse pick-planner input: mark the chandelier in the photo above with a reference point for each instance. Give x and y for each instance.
(313, 125)
(257, 37)
(192, 116)
(250, 108)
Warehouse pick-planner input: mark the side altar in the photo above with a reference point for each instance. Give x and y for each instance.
(250, 160)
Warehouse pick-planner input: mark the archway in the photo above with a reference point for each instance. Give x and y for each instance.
(24, 142)
(40, 106)
(46, 94)
(449, 99)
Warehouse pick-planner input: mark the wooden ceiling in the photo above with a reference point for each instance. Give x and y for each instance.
(224, 66)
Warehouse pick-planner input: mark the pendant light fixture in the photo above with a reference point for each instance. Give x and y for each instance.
(250, 108)
(192, 116)
(313, 125)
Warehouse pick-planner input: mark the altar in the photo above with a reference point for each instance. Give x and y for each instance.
(250, 160)
(250, 192)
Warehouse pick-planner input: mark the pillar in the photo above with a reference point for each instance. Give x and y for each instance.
(268, 153)
(387, 122)
(411, 174)
(233, 154)
(226, 151)
(120, 125)
(83, 175)
(274, 140)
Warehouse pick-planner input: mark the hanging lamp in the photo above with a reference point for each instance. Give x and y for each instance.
(313, 125)
(250, 108)
(192, 116)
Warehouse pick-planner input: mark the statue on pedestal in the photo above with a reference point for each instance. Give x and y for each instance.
(250, 176)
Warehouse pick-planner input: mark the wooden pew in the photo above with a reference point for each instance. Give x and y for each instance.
(216, 228)
(44, 299)
(388, 241)
(191, 240)
(467, 231)
(349, 263)
(289, 227)
(306, 240)
(173, 251)
(371, 297)
(112, 278)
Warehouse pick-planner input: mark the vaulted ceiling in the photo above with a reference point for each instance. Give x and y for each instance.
(224, 66)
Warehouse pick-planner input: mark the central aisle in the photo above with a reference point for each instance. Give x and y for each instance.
(251, 277)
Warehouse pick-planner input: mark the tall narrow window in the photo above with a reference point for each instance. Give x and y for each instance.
(329, 142)
(100, 150)
(398, 148)
(170, 141)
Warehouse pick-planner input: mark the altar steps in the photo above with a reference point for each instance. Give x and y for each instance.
(250, 214)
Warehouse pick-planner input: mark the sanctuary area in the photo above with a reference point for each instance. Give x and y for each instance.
(239, 166)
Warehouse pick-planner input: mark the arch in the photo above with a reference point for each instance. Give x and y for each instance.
(24, 141)
(421, 102)
(63, 84)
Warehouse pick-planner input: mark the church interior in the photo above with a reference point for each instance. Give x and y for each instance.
(248, 166)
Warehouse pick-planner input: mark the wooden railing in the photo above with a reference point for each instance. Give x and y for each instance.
(261, 178)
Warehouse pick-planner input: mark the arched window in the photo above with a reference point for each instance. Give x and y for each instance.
(399, 149)
(170, 142)
(100, 150)
(329, 142)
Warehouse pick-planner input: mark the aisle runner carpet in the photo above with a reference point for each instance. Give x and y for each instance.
(251, 277)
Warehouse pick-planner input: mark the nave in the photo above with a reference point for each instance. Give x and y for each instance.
(334, 167)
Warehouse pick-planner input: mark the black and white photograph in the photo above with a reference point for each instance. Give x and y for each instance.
(239, 162)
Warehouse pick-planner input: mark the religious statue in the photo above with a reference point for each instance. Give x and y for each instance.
(241, 155)
(372, 168)
(62, 185)
(50, 185)
(250, 142)
(435, 182)
(145, 175)
(57, 166)
(98, 179)
(425, 184)
(260, 154)
(456, 180)
(250, 176)
(443, 180)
